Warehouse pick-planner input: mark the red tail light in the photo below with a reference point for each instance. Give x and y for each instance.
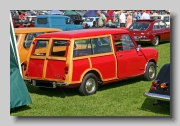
(66, 69)
(25, 65)
(154, 84)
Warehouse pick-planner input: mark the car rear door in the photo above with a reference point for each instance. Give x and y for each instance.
(56, 60)
(37, 58)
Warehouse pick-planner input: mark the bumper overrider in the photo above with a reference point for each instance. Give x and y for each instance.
(157, 96)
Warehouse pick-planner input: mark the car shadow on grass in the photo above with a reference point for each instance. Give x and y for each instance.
(53, 92)
(120, 83)
(68, 92)
(161, 109)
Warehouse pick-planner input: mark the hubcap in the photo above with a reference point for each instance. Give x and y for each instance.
(90, 85)
(151, 72)
(156, 40)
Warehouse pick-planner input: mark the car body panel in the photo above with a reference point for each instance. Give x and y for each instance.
(88, 50)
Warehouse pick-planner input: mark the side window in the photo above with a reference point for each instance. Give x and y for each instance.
(68, 21)
(92, 46)
(82, 47)
(101, 45)
(28, 39)
(41, 48)
(162, 24)
(16, 37)
(166, 19)
(156, 26)
(123, 42)
(59, 48)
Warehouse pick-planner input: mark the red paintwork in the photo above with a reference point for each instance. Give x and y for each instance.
(55, 69)
(164, 34)
(79, 67)
(130, 63)
(83, 33)
(150, 53)
(106, 65)
(35, 68)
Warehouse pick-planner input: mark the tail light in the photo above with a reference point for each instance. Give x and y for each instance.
(163, 85)
(25, 65)
(66, 69)
(154, 85)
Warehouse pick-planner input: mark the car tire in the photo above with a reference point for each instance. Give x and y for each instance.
(155, 41)
(150, 73)
(89, 85)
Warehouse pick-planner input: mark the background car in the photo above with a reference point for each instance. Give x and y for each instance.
(24, 37)
(160, 88)
(150, 31)
(165, 18)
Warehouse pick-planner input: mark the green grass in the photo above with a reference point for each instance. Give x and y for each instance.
(124, 98)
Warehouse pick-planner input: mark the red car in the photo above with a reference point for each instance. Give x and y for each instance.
(152, 31)
(87, 58)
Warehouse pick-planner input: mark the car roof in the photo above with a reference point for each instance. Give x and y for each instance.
(35, 29)
(146, 20)
(51, 15)
(84, 33)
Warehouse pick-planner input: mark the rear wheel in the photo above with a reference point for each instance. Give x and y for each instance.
(155, 41)
(150, 73)
(89, 85)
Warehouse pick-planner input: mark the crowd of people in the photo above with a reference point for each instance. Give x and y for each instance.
(125, 17)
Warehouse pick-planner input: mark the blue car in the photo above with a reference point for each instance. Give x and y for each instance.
(62, 22)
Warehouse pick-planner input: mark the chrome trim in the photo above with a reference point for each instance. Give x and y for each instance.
(148, 40)
(157, 96)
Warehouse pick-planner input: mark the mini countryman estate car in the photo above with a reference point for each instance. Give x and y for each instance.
(160, 88)
(87, 58)
(151, 31)
(25, 36)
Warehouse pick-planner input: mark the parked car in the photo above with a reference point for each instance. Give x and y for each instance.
(87, 58)
(24, 37)
(62, 22)
(165, 18)
(114, 24)
(150, 31)
(89, 21)
(160, 88)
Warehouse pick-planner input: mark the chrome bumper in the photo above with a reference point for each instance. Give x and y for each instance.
(157, 96)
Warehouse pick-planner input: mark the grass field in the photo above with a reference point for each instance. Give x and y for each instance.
(123, 98)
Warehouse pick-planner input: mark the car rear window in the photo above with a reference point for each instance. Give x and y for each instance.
(58, 48)
(41, 48)
(155, 17)
(139, 26)
(42, 20)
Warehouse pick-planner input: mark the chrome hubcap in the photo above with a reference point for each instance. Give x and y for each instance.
(156, 40)
(90, 85)
(151, 72)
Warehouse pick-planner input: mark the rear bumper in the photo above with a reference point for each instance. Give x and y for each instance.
(49, 84)
(157, 96)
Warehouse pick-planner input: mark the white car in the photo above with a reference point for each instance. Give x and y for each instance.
(165, 18)
(89, 20)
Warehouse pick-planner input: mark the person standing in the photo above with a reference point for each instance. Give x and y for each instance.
(145, 15)
(122, 19)
(129, 20)
(155, 13)
(102, 19)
